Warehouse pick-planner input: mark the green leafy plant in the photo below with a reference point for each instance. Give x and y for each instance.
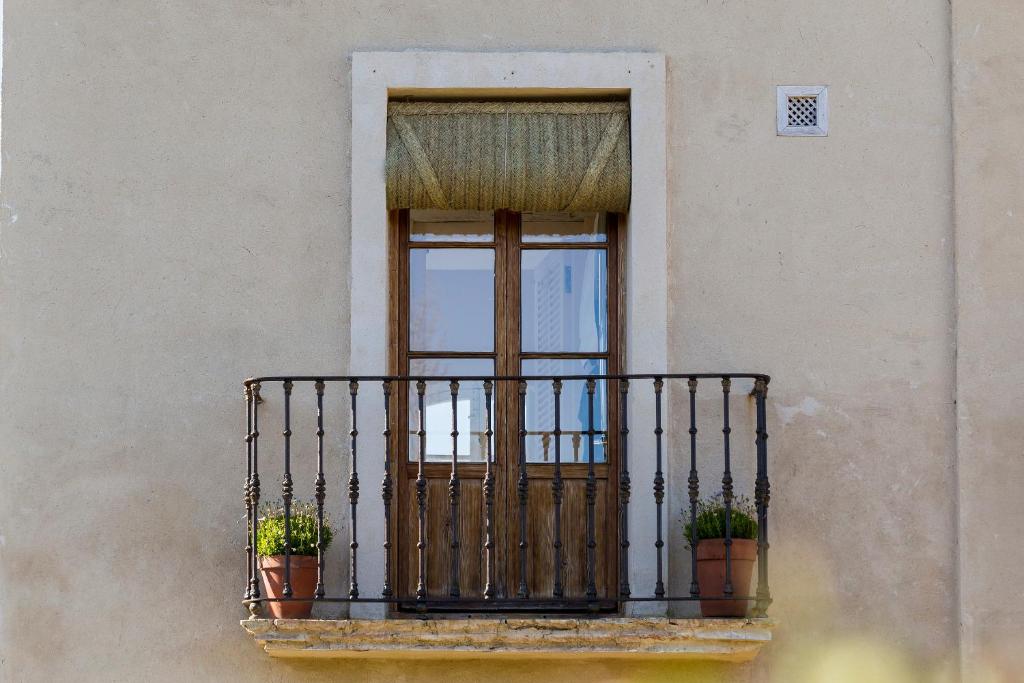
(711, 519)
(302, 522)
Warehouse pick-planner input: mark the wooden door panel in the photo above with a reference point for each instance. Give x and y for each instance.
(472, 574)
(541, 537)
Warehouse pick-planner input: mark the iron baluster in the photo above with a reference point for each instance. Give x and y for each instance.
(353, 494)
(320, 489)
(762, 492)
(591, 497)
(557, 487)
(727, 488)
(659, 490)
(387, 491)
(624, 489)
(488, 486)
(286, 490)
(421, 494)
(522, 487)
(693, 488)
(254, 492)
(247, 492)
(453, 492)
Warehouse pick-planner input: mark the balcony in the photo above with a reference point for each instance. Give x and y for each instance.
(516, 503)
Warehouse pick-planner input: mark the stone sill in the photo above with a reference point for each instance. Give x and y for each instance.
(736, 640)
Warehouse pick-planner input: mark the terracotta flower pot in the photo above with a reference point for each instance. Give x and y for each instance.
(303, 580)
(711, 575)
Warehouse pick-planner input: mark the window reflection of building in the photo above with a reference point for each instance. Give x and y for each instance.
(565, 312)
(552, 292)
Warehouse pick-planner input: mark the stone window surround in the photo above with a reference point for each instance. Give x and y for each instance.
(376, 76)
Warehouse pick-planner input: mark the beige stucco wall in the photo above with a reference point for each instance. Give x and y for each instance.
(176, 216)
(988, 68)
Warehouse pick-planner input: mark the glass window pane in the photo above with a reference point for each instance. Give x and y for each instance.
(565, 227)
(428, 225)
(565, 300)
(437, 402)
(451, 299)
(574, 406)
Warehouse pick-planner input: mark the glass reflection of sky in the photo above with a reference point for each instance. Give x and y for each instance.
(451, 299)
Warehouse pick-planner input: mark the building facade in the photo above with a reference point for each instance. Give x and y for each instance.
(198, 193)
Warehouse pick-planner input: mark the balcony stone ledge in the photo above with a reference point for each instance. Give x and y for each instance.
(735, 640)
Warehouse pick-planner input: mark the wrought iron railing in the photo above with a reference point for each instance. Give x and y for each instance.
(517, 595)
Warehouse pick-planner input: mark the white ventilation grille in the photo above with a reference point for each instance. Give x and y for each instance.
(802, 110)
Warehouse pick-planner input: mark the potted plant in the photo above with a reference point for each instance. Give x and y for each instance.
(303, 570)
(710, 539)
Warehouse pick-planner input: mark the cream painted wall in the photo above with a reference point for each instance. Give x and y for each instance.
(828, 261)
(988, 68)
(176, 216)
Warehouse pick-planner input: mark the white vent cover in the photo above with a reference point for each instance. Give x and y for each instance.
(802, 110)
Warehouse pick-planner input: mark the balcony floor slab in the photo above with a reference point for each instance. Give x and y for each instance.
(734, 640)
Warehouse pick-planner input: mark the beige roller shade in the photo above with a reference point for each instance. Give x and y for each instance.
(525, 156)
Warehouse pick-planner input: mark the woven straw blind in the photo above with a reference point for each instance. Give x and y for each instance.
(524, 156)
